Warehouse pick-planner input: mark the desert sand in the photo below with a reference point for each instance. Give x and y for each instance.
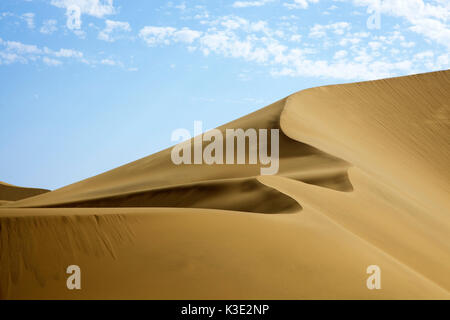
(364, 180)
(9, 192)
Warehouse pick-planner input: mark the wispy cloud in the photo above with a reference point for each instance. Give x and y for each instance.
(282, 45)
(49, 26)
(430, 19)
(109, 62)
(339, 53)
(94, 8)
(165, 35)
(319, 31)
(299, 4)
(29, 19)
(15, 51)
(246, 4)
(112, 28)
(51, 62)
(76, 8)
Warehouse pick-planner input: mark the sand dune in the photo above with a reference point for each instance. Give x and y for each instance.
(364, 180)
(298, 160)
(9, 192)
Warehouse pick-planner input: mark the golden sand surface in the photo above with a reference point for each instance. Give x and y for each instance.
(364, 179)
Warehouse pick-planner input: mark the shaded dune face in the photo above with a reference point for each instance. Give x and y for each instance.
(155, 181)
(234, 194)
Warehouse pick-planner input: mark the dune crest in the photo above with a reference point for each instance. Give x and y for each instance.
(393, 129)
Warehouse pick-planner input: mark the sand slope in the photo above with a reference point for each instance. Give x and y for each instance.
(9, 192)
(364, 179)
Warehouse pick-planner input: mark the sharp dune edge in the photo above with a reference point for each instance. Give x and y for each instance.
(364, 179)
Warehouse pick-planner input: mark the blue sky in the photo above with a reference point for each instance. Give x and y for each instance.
(88, 85)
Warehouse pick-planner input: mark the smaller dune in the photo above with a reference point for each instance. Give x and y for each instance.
(9, 192)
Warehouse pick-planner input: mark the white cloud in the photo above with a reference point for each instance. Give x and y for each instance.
(165, 35)
(338, 28)
(409, 44)
(299, 4)
(108, 62)
(111, 27)
(51, 62)
(246, 4)
(341, 69)
(73, 14)
(156, 35)
(15, 51)
(364, 56)
(286, 46)
(443, 61)
(228, 45)
(433, 29)
(116, 63)
(80, 34)
(49, 26)
(76, 8)
(8, 58)
(375, 45)
(67, 53)
(233, 23)
(6, 14)
(96, 8)
(424, 55)
(29, 19)
(296, 38)
(21, 48)
(425, 18)
(349, 40)
(340, 54)
(186, 35)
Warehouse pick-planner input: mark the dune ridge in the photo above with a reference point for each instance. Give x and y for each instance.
(364, 178)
